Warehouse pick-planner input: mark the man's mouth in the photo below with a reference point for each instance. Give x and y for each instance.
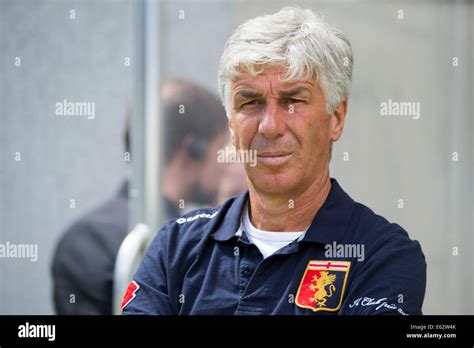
(274, 158)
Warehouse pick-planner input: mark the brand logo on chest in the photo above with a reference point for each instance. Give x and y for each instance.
(322, 285)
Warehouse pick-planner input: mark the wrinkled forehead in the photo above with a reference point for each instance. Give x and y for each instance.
(263, 76)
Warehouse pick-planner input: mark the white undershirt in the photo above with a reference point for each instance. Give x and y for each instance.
(267, 241)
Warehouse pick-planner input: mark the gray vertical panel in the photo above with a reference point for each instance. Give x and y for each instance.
(62, 157)
(2, 146)
(137, 122)
(153, 123)
(460, 209)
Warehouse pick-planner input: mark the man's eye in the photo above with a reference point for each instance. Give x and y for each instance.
(294, 101)
(252, 102)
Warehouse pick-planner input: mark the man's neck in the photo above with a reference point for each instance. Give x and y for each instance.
(285, 213)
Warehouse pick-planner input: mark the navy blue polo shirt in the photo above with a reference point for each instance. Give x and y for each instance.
(350, 261)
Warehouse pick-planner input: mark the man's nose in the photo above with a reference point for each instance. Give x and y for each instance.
(272, 124)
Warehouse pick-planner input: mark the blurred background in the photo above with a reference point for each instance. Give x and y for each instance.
(109, 118)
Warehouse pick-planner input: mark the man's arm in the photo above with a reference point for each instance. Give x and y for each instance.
(392, 281)
(148, 292)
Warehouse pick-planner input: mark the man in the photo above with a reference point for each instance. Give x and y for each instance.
(287, 246)
(84, 261)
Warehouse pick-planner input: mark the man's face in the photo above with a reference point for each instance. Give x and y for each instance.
(287, 124)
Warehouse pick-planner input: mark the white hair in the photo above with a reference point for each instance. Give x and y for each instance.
(297, 39)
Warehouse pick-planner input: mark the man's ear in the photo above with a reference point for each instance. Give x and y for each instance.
(231, 129)
(337, 121)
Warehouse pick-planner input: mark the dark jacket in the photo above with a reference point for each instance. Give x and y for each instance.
(84, 260)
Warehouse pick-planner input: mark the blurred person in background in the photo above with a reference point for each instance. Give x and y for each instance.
(84, 260)
(233, 181)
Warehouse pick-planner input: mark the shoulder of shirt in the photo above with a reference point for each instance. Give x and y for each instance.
(389, 253)
(378, 233)
(196, 224)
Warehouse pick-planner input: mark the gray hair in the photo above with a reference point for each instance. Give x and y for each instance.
(297, 39)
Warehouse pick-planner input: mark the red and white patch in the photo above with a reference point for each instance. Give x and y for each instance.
(130, 294)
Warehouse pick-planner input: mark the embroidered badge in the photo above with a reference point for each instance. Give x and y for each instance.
(322, 286)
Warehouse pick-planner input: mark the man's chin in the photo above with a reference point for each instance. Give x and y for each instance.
(275, 183)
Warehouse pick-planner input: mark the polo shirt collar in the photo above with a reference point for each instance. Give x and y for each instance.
(227, 221)
(328, 226)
